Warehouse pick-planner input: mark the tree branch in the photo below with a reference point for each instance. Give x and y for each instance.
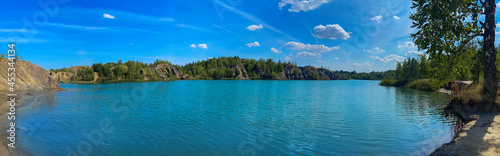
(461, 47)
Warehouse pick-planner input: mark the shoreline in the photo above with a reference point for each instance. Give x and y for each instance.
(24, 99)
(147, 81)
(477, 134)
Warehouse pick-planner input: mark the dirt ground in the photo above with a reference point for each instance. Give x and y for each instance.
(481, 136)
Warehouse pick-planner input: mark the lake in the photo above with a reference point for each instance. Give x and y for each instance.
(232, 117)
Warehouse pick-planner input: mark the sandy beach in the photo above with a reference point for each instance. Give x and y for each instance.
(481, 136)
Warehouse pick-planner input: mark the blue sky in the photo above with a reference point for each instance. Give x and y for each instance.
(361, 35)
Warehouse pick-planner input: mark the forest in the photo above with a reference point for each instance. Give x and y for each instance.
(430, 74)
(214, 68)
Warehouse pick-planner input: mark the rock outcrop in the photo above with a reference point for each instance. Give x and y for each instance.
(167, 72)
(64, 76)
(28, 77)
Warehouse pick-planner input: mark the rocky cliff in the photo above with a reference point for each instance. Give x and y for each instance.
(167, 72)
(64, 76)
(28, 77)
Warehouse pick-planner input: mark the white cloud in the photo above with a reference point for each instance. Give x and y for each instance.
(331, 31)
(375, 50)
(367, 64)
(407, 44)
(414, 53)
(302, 5)
(377, 18)
(202, 46)
(16, 31)
(314, 48)
(320, 61)
(250, 17)
(274, 50)
(254, 44)
(498, 5)
(108, 16)
(308, 55)
(336, 58)
(255, 27)
(396, 17)
(287, 58)
(389, 58)
(498, 24)
(73, 26)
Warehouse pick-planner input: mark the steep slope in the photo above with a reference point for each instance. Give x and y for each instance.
(28, 77)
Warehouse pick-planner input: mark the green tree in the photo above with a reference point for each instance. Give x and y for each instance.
(446, 26)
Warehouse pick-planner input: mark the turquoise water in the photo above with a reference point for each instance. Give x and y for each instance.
(235, 118)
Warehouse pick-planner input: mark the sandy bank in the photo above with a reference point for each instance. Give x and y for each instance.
(480, 136)
(23, 99)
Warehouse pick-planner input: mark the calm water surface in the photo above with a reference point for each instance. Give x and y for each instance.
(234, 118)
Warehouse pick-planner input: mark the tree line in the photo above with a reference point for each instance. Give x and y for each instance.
(214, 68)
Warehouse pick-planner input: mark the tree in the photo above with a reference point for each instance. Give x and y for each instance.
(446, 26)
(423, 69)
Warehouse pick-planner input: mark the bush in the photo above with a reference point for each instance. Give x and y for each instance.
(393, 82)
(471, 92)
(425, 84)
(388, 82)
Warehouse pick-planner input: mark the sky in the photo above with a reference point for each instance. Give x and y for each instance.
(360, 35)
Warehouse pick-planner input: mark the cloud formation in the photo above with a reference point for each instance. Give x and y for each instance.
(288, 58)
(306, 54)
(320, 61)
(302, 5)
(389, 58)
(255, 27)
(274, 50)
(377, 18)
(375, 50)
(414, 53)
(366, 64)
(16, 31)
(407, 44)
(108, 16)
(250, 17)
(202, 46)
(331, 31)
(314, 48)
(254, 44)
(396, 17)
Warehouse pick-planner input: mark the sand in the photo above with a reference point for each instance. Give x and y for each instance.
(23, 99)
(481, 136)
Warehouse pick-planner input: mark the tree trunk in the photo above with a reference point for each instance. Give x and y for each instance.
(490, 61)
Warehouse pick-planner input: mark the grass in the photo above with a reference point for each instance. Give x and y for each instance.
(471, 92)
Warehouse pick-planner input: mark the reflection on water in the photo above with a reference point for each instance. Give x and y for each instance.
(237, 118)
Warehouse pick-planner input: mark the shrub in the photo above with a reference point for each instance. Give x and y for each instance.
(425, 84)
(393, 82)
(471, 92)
(388, 82)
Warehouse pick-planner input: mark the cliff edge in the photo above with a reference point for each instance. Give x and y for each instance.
(29, 76)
